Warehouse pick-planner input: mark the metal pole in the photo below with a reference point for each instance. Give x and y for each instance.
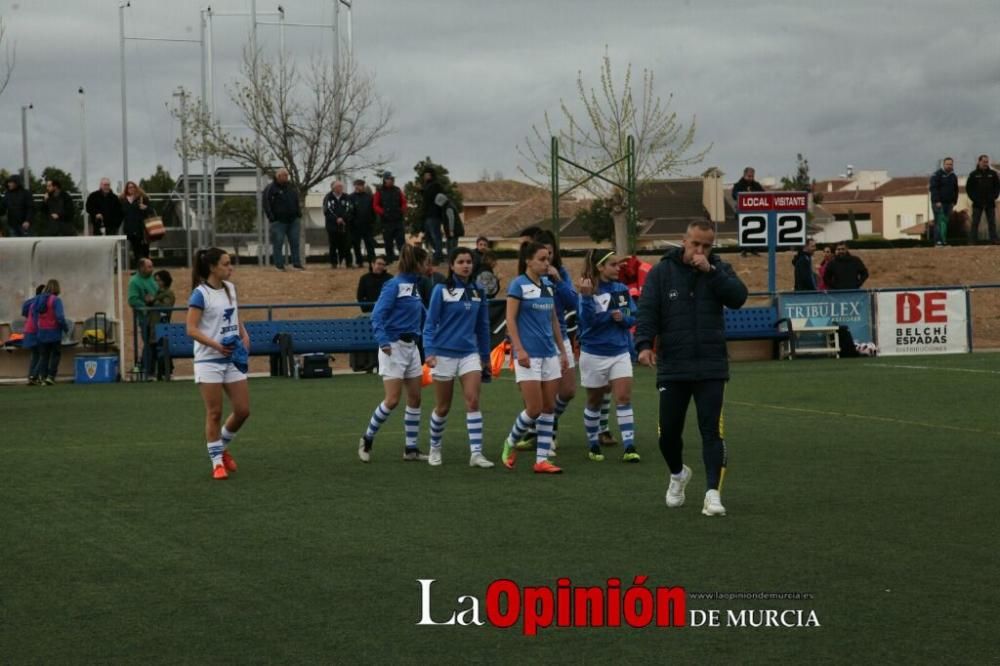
(24, 146)
(184, 168)
(554, 184)
(121, 64)
(336, 37)
(83, 160)
(261, 227)
(350, 28)
(203, 222)
(630, 179)
(211, 102)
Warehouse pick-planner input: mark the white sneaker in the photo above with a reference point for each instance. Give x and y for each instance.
(364, 450)
(552, 448)
(435, 457)
(675, 491)
(479, 460)
(713, 504)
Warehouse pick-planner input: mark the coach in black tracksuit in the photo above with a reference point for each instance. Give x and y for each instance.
(682, 305)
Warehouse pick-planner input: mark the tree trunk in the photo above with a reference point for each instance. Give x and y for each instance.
(621, 232)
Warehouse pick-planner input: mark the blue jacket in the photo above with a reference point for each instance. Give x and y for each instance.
(41, 317)
(398, 310)
(566, 298)
(599, 333)
(30, 329)
(240, 356)
(458, 322)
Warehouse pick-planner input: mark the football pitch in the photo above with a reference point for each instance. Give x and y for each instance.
(868, 486)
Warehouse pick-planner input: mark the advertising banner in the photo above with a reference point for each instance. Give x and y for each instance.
(847, 308)
(922, 322)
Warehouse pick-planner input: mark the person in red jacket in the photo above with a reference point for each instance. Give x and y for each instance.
(390, 206)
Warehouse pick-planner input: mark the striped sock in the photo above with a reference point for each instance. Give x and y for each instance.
(377, 420)
(521, 425)
(544, 440)
(561, 406)
(437, 429)
(626, 421)
(411, 425)
(227, 437)
(215, 450)
(605, 411)
(590, 421)
(474, 424)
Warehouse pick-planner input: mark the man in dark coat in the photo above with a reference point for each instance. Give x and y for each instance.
(682, 304)
(747, 184)
(943, 187)
(17, 205)
(363, 222)
(337, 212)
(105, 210)
(390, 206)
(983, 188)
(281, 206)
(845, 271)
(805, 278)
(58, 207)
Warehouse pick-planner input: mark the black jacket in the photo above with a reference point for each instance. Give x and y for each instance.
(684, 308)
(369, 287)
(17, 203)
(805, 279)
(846, 272)
(364, 211)
(944, 188)
(110, 207)
(334, 208)
(983, 187)
(134, 217)
(281, 203)
(430, 191)
(61, 205)
(744, 185)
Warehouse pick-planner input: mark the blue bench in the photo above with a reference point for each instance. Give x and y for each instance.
(758, 324)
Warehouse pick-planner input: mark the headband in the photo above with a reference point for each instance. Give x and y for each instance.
(605, 258)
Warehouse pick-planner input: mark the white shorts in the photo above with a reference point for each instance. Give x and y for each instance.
(570, 360)
(449, 367)
(541, 370)
(598, 371)
(402, 363)
(211, 372)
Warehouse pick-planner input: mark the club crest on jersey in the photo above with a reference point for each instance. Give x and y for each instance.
(602, 301)
(531, 291)
(227, 315)
(453, 295)
(405, 290)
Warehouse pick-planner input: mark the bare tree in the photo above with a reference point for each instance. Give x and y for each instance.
(596, 136)
(318, 125)
(10, 57)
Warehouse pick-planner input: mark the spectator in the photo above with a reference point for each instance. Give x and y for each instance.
(50, 324)
(164, 299)
(944, 195)
(482, 247)
(370, 284)
(431, 278)
(281, 206)
(58, 206)
(487, 278)
(451, 223)
(363, 222)
(845, 271)
(983, 188)
(18, 206)
(821, 271)
(390, 205)
(337, 211)
(105, 210)
(135, 210)
(805, 279)
(433, 212)
(141, 294)
(31, 335)
(747, 184)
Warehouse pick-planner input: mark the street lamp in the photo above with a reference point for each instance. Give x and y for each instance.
(24, 145)
(83, 158)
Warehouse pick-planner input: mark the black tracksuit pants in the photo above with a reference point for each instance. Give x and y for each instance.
(708, 397)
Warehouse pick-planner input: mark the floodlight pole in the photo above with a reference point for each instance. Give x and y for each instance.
(24, 145)
(121, 75)
(83, 159)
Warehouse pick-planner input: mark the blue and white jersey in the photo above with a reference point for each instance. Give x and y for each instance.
(601, 335)
(219, 318)
(398, 311)
(566, 298)
(534, 316)
(458, 322)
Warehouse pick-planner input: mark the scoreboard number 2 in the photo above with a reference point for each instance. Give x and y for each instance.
(753, 230)
(791, 229)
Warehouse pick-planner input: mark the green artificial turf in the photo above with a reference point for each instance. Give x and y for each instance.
(869, 485)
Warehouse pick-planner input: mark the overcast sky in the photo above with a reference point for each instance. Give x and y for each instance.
(872, 83)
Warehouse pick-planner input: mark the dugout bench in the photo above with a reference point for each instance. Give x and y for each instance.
(760, 323)
(280, 339)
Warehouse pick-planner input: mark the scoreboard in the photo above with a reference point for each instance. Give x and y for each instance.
(772, 219)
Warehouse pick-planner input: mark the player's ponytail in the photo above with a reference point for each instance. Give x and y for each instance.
(411, 259)
(204, 262)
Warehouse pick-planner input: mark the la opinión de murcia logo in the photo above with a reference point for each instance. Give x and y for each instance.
(638, 605)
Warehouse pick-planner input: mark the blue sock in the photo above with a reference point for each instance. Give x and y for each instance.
(437, 429)
(227, 437)
(590, 424)
(474, 424)
(605, 411)
(626, 422)
(215, 450)
(521, 425)
(411, 426)
(544, 440)
(377, 420)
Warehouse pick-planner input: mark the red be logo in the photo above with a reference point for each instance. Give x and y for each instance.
(928, 306)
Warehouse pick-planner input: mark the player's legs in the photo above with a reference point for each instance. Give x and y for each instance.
(708, 400)
(239, 400)
(674, 399)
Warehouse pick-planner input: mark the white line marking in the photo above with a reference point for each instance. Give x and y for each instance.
(934, 367)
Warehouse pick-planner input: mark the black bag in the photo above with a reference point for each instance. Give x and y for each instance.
(283, 363)
(315, 366)
(846, 342)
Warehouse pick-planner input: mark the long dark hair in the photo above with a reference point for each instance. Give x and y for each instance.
(204, 262)
(592, 262)
(411, 258)
(452, 256)
(546, 237)
(528, 250)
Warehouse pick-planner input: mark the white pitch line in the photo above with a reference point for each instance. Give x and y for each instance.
(866, 417)
(934, 367)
